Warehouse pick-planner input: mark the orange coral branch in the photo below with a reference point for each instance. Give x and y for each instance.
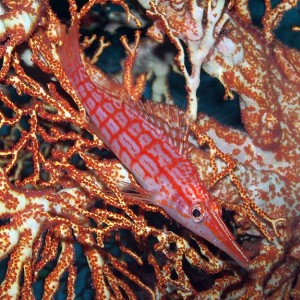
(61, 187)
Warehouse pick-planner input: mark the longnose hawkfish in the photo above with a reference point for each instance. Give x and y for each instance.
(147, 148)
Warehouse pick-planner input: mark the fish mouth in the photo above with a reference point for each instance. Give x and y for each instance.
(217, 233)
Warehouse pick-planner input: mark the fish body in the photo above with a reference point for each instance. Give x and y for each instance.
(147, 150)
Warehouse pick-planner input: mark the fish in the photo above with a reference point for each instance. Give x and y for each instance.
(147, 146)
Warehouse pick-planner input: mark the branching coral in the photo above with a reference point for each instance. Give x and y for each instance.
(61, 189)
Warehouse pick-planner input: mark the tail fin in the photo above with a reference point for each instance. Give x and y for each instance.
(69, 51)
(78, 72)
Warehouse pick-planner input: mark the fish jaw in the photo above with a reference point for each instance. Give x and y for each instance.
(213, 229)
(209, 226)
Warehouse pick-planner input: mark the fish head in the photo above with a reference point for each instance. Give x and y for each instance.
(204, 218)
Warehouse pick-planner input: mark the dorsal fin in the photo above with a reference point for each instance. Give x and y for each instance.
(106, 83)
(168, 119)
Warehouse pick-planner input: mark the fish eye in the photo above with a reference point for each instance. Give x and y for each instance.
(197, 213)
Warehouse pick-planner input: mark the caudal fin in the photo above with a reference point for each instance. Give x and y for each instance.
(69, 51)
(79, 72)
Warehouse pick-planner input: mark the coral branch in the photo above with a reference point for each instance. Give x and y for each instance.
(68, 207)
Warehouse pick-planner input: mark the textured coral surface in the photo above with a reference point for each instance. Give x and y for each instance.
(69, 227)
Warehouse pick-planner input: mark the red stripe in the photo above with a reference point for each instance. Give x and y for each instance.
(127, 137)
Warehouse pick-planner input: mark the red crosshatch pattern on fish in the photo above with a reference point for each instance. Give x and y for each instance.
(144, 145)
